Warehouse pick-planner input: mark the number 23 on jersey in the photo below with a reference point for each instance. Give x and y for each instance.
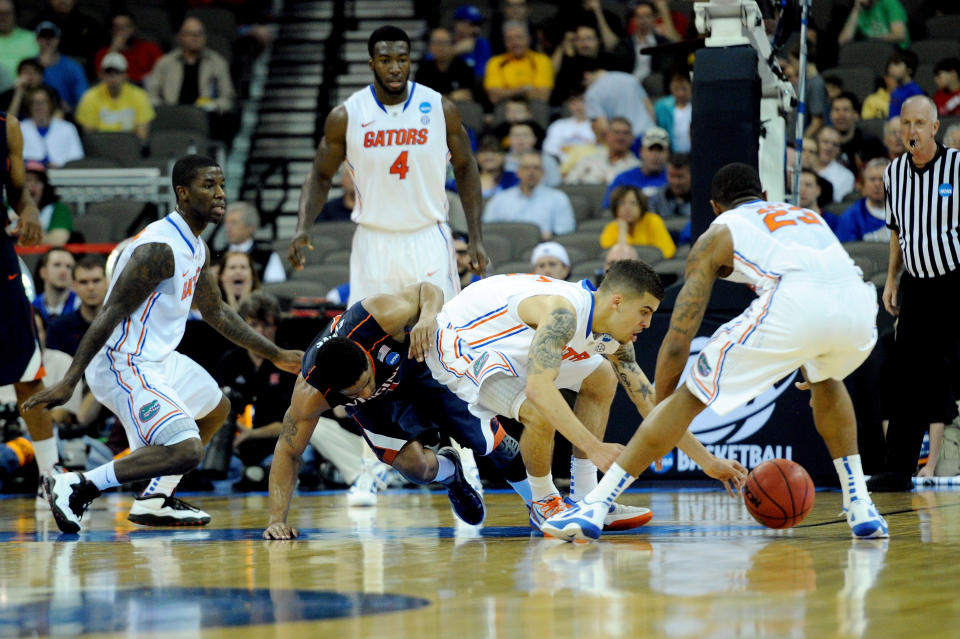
(777, 218)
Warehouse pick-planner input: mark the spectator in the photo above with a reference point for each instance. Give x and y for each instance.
(237, 278)
(114, 104)
(47, 138)
(613, 93)
(603, 21)
(833, 86)
(550, 259)
(816, 99)
(461, 243)
(901, 67)
(82, 34)
(892, 141)
(877, 104)
(340, 208)
(29, 77)
(521, 140)
(490, 159)
(947, 76)
(883, 20)
(606, 162)
(468, 44)
(673, 198)
(651, 174)
(532, 202)
(256, 388)
(674, 112)
(240, 222)
(951, 139)
(633, 223)
(16, 44)
(56, 273)
(59, 71)
(141, 54)
(90, 285)
(442, 71)
(516, 110)
(510, 11)
(564, 133)
(866, 218)
(645, 35)
(579, 52)
(55, 216)
(615, 253)
(827, 165)
(815, 191)
(192, 73)
(520, 70)
(855, 147)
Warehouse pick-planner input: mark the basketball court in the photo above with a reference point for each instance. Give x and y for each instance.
(701, 568)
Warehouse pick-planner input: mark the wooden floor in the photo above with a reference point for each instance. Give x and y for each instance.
(701, 568)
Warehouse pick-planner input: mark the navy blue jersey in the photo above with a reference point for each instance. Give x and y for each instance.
(386, 354)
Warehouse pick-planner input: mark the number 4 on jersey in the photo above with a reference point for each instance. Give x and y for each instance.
(399, 166)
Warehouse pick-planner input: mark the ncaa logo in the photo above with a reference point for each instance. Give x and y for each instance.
(392, 358)
(945, 190)
(425, 107)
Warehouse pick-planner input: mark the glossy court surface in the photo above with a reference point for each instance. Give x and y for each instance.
(701, 568)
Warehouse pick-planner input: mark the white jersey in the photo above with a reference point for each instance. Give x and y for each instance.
(772, 240)
(481, 333)
(398, 156)
(152, 331)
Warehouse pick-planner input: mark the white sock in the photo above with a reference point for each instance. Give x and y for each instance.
(445, 469)
(583, 477)
(851, 479)
(103, 477)
(165, 485)
(46, 454)
(541, 487)
(614, 482)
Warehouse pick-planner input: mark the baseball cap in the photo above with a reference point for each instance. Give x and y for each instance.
(47, 29)
(656, 135)
(114, 61)
(469, 13)
(34, 166)
(549, 249)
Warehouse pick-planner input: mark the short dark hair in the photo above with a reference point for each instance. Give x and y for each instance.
(387, 33)
(187, 167)
(30, 62)
(54, 249)
(260, 305)
(126, 14)
(734, 182)
(679, 160)
(632, 276)
(947, 64)
(620, 192)
(848, 95)
(89, 262)
(906, 56)
(338, 364)
(460, 235)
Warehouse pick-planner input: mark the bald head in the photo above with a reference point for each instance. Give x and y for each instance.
(921, 102)
(918, 128)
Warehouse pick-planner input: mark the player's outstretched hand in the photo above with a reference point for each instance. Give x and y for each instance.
(280, 530)
(28, 228)
(605, 454)
(478, 258)
(295, 253)
(729, 472)
(54, 396)
(289, 361)
(421, 337)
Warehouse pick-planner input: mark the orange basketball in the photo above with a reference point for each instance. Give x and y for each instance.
(778, 493)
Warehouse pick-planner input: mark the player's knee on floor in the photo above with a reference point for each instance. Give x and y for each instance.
(416, 463)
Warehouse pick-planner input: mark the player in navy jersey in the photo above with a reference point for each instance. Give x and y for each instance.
(371, 361)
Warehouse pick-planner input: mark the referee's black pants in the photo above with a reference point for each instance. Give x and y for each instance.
(927, 365)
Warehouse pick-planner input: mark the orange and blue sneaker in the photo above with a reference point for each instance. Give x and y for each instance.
(621, 517)
(547, 507)
(584, 521)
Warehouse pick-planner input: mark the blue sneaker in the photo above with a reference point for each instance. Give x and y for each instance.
(621, 517)
(580, 521)
(467, 503)
(545, 508)
(865, 521)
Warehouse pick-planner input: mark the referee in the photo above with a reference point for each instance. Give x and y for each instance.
(923, 214)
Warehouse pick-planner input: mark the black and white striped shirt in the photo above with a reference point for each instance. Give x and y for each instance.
(923, 207)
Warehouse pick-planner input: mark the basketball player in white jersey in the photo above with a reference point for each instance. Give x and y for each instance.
(813, 311)
(396, 137)
(169, 405)
(508, 343)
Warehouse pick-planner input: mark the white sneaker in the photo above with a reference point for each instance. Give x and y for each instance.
(69, 494)
(160, 510)
(581, 521)
(865, 521)
(371, 480)
(621, 517)
(469, 464)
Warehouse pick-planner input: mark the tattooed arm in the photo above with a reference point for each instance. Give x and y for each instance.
(710, 257)
(149, 265)
(300, 420)
(219, 315)
(638, 387)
